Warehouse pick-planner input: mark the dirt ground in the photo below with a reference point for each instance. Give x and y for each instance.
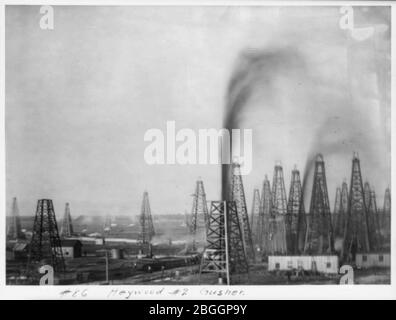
(258, 275)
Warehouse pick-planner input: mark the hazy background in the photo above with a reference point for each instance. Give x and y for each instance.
(79, 98)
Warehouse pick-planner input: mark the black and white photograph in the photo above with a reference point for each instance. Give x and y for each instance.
(197, 145)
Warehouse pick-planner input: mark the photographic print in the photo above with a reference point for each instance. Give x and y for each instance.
(198, 145)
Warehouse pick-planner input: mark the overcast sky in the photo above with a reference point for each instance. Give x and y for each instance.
(79, 99)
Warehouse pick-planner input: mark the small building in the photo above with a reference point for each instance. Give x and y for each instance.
(17, 251)
(71, 248)
(99, 241)
(322, 264)
(372, 260)
(116, 253)
(21, 251)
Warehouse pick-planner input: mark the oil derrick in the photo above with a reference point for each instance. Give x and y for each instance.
(279, 202)
(14, 231)
(215, 259)
(276, 240)
(371, 216)
(356, 233)
(385, 217)
(146, 223)
(224, 253)
(277, 223)
(237, 258)
(199, 215)
(367, 194)
(387, 202)
(107, 224)
(45, 244)
(187, 220)
(264, 237)
(344, 202)
(373, 220)
(255, 217)
(337, 211)
(67, 226)
(319, 238)
(238, 195)
(295, 218)
(339, 224)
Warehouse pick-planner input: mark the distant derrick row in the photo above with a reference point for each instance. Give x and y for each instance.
(282, 226)
(355, 219)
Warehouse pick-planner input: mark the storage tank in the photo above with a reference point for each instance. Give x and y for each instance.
(116, 254)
